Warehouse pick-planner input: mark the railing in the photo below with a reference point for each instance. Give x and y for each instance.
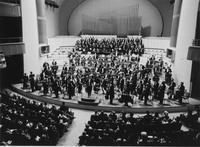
(196, 42)
(11, 40)
(12, 48)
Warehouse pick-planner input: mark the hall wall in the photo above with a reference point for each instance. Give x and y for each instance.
(32, 59)
(58, 18)
(52, 18)
(96, 8)
(166, 10)
(186, 33)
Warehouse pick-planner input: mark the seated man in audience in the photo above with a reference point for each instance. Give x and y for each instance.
(83, 139)
(64, 108)
(113, 116)
(103, 116)
(165, 116)
(95, 116)
(147, 119)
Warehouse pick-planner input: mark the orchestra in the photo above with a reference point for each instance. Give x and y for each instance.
(116, 76)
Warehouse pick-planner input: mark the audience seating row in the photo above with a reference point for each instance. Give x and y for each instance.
(126, 130)
(27, 122)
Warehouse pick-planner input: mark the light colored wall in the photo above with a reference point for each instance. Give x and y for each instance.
(156, 42)
(52, 18)
(186, 34)
(32, 60)
(67, 7)
(30, 36)
(65, 11)
(166, 10)
(150, 14)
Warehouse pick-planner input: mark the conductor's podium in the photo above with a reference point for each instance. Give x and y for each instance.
(89, 101)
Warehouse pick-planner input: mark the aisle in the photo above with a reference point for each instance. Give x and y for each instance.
(71, 138)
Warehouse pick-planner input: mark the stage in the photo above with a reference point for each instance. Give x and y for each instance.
(137, 107)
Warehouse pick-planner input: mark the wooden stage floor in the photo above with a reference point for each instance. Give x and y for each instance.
(137, 107)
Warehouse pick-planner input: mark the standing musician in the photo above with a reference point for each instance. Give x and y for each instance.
(161, 92)
(146, 92)
(112, 92)
(89, 87)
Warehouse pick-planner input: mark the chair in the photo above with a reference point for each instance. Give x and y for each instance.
(186, 97)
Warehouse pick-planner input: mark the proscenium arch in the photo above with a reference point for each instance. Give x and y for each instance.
(165, 9)
(68, 6)
(66, 9)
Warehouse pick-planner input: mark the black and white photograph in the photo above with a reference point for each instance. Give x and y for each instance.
(99, 72)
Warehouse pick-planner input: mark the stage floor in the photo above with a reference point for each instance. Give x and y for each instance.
(137, 107)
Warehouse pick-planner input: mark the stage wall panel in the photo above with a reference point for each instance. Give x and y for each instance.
(105, 9)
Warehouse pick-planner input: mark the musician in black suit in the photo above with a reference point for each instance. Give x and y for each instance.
(56, 87)
(112, 92)
(139, 90)
(161, 92)
(126, 98)
(79, 85)
(45, 86)
(89, 87)
(181, 92)
(32, 81)
(70, 89)
(133, 83)
(171, 89)
(146, 92)
(25, 81)
(122, 84)
(155, 90)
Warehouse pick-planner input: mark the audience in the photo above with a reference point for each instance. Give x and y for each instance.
(191, 119)
(27, 122)
(125, 129)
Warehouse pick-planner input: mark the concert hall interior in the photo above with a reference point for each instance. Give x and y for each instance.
(100, 72)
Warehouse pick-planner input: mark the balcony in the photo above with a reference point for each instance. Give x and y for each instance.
(14, 48)
(10, 40)
(10, 8)
(194, 51)
(11, 1)
(196, 42)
